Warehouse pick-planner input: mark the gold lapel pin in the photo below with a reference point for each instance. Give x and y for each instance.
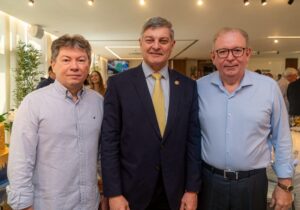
(176, 82)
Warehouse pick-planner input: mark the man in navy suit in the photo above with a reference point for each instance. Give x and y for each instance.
(148, 164)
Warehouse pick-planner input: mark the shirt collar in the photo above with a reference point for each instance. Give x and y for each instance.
(65, 92)
(247, 80)
(148, 71)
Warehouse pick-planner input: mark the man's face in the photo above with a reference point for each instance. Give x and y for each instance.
(232, 66)
(71, 67)
(292, 77)
(156, 46)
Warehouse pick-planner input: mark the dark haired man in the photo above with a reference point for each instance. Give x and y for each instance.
(150, 134)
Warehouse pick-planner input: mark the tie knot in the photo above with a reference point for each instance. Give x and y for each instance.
(156, 76)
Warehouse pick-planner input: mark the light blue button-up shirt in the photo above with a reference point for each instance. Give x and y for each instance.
(54, 150)
(165, 83)
(239, 129)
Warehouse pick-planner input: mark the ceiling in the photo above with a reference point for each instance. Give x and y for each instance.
(116, 24)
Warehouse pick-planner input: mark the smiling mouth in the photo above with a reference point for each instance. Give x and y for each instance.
(232, 66)
(156, 54)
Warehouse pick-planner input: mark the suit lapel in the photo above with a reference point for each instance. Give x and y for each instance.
(175, 91)
(144, 95)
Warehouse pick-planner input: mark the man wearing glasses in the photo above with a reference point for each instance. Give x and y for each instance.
(242, 116)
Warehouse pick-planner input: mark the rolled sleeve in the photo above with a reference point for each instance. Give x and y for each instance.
(22, 156)
(18, 200)
(281, 138)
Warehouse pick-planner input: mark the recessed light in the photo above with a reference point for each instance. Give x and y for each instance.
(31, 3)
(142, 2)
(199, 2)
(90, 2)
(276, 41)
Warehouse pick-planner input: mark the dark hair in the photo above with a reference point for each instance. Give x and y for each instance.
(50, 68)
(75, 41)
(158, 22)
(258, 71)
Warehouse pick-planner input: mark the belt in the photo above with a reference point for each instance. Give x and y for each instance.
(232, 175)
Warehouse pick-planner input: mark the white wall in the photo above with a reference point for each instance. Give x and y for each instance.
(11, 31)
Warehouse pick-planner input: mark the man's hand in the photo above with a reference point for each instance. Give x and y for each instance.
(189, 201)
(282, 200)
(118, 203)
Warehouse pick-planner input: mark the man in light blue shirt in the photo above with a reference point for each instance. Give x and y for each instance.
(54, 145)
(242, 116)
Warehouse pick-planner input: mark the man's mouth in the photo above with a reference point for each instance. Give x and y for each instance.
(156, 54)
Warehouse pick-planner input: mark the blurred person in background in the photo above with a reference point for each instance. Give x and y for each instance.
(96, 82)
(288, 76)
(293, 95)
(49, 80)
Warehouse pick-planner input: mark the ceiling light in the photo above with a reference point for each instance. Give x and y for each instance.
(290, 2)
(199, 2)
(31, 3)
(276, 41)
(246, 2)
(90, 2)
(263, 2)
(142, 2)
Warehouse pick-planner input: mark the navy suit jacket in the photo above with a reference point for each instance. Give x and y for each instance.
(133, 153)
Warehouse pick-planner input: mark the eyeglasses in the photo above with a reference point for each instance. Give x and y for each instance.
(236, 52)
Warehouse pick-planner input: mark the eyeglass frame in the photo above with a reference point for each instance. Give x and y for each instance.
(231, 50)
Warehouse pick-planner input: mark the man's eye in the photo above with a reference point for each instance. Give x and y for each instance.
(237, 50)
(222, 51)
(148, 40)
(164, 41)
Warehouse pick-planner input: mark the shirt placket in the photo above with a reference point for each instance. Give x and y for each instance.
(228, 138)
(82, 181)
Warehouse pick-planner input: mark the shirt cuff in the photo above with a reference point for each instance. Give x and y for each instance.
(18, 200)
(284, 170)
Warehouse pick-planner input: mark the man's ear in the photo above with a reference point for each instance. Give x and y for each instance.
(52, 65)
(248, 52)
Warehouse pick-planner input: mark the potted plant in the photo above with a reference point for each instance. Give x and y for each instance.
(26, 74)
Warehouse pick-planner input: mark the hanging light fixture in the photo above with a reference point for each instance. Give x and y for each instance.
(31, 3)
(263, 2)
(246, 2)
(90, 2)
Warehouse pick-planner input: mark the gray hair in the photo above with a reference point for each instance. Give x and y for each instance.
(229, 29)
(158, 22)
(289, 71)
(75, 41)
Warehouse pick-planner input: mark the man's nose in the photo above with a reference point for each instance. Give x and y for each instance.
(74, 64)
(230, 55)
(156, 44)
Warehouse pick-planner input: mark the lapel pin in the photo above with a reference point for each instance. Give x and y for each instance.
(176, 82)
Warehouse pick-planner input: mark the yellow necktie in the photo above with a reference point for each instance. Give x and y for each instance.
(159, 103)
